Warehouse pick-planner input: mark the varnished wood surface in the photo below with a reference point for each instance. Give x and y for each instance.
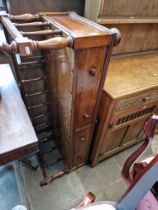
(81, 28)
(85, 33)
(128, 74)
(71, 81)
(75, 76)
(16, 132)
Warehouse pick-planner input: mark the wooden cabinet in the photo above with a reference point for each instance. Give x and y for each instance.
(130, 91)
(62, 81)
(77, 74)
(130, 96)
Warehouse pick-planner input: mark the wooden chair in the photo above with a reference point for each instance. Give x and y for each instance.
(140, 176)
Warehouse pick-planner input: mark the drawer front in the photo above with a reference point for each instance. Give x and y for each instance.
(82, 145)
(88, 76)
(137, 100)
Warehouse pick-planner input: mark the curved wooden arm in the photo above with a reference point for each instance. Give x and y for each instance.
(149, 128)
(25, 17)
(117, 36)
(53, 43)
(130, 161)
(150, 125)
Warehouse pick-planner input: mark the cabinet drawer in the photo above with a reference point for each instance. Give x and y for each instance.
(137, 100)
(87, 84)
(82, 145)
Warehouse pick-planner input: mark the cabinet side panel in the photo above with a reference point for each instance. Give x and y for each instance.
(60, 77)
(129, 8)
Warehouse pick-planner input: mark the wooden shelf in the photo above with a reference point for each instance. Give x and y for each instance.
(126, 20)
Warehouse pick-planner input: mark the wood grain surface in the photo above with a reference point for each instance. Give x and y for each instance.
(131, 73)
(17, 136)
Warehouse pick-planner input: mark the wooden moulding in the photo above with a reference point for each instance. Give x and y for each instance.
(126, 20)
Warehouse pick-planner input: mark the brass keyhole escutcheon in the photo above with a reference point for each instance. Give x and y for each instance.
(92, 71)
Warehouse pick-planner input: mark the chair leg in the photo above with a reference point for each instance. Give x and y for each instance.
(89, 198)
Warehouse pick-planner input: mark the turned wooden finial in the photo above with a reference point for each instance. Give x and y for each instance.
(117, 37)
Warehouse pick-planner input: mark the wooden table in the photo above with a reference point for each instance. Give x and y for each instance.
(17, 136)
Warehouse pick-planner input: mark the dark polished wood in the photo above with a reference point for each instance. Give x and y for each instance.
(75, 69)
(74, 77)
(17, 136)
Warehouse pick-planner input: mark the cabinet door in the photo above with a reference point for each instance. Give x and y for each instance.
(127, 135)
(113, 139)
(135, 132)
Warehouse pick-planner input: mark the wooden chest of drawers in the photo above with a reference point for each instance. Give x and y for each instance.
(62, 81)
(129, 97)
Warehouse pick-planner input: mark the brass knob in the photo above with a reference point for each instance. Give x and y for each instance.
(92, 71)
(82, 138)
(86, 116)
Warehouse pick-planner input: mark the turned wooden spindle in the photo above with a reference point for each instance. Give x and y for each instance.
(32, 24)
(53, 43)
(28, 47)
(25, 17)
(41, 33)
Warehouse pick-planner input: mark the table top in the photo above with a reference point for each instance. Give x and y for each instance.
(130, 74)
(17, 136)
